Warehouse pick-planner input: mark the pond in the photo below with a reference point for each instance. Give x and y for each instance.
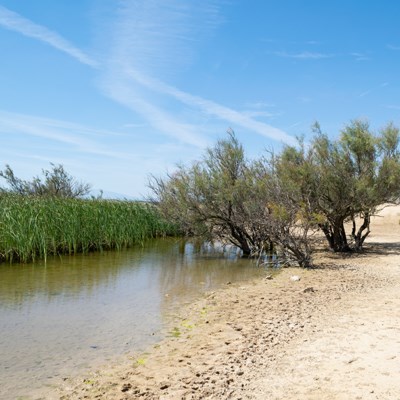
(77, 312)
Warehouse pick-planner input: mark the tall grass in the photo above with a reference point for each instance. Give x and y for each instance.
(32, 227)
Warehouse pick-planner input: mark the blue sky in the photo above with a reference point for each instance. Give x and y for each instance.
(117, 90)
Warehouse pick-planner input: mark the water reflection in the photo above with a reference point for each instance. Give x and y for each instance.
(76, 312)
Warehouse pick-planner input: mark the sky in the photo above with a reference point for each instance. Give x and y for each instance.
(119, 90)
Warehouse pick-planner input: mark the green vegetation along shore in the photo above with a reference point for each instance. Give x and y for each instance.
(35, 227)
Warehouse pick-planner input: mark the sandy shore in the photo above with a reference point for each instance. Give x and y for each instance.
(333, 334)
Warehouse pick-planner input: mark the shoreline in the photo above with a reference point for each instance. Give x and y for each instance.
(329, 335)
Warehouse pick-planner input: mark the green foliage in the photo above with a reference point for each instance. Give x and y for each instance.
(281, 200)
(227, 198)
(217, 198)
(35, 227)
(55, 182)
(346, 179)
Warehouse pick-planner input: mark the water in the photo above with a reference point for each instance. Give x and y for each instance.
(75, 313)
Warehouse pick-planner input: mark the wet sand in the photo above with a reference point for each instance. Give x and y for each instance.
(333, 334)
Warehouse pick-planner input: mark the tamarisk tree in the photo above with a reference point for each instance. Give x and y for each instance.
(56, 182)
(281, 200)
(216, 198)
(227, 198)
(346, 180)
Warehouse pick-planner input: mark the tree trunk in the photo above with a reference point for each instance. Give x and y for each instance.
(244, 246)
(327, 229)
(336, 235)
(241, 240)
(340, 240)
(359, 237)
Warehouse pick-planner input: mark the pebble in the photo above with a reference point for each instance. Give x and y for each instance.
(164, 386)
(126, 387)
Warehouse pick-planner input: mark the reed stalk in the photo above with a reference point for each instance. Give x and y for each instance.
(33, 228)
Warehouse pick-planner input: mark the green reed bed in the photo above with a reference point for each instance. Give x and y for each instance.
(33, 227)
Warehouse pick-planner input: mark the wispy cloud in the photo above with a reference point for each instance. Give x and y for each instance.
(360, 56)
(153, 36)
(296, 124)
(304, 55)
(79, 137)
(15, 22)
(124, 93)
(368, 91)
(165, 28)
(260, 114)
(259, 105)
(393, 47)
(365, 93)
(211, 108)
(261, 109)
(162, 33)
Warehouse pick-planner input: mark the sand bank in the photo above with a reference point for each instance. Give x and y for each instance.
(333, 334)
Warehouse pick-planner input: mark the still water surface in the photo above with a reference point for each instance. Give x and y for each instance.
(75, 313)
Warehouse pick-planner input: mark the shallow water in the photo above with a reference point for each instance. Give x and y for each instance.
(75, 313)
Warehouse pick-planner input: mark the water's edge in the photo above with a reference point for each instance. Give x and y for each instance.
(75, 314)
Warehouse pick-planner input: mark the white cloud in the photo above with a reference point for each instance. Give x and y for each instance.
(161, 35)
(304, 55)
(393, 47)
(211, 108)
(155, 36)
(15, 22)
(360, 56)
(124, 93)
(79, 137)
(296, 124)
(367, 92)
(259, 105)
(260, 113)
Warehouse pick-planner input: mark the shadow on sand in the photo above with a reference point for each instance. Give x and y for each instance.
(371, 249)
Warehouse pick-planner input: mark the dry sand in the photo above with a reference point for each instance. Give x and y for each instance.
(333, 334)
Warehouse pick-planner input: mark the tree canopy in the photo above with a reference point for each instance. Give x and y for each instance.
(280, 200)
(347, 179)
(211, 198)
(56, 182)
